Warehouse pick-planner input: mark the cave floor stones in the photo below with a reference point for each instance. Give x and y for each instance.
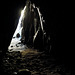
(32, 62)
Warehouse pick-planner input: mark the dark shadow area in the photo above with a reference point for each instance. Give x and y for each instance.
(56, 28)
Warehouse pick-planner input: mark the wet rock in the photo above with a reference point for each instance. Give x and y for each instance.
(14, 73)
(24, 72)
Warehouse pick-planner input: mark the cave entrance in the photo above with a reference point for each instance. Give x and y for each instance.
(15, 44)
(29, 31)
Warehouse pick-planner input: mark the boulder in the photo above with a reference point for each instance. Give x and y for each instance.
(24, 72)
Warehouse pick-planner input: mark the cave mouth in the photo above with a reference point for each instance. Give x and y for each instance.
(15, 44)
(30, 30)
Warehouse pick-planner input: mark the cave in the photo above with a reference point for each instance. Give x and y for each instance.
(52, 49)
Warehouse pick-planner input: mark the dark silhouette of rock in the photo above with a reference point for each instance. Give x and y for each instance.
(17, 45)
(33, 33)
(11, 46)
(18, 35)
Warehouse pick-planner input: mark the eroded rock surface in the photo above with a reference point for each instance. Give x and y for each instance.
(32, 62)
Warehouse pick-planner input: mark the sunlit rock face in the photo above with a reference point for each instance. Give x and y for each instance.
(30, 31)
(16, 39)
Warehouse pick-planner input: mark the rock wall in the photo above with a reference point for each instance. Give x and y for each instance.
(33, 33)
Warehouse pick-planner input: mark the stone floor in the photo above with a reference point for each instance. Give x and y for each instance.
(32, 62)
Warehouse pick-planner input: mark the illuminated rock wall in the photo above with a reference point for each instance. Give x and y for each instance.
(33, 33)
